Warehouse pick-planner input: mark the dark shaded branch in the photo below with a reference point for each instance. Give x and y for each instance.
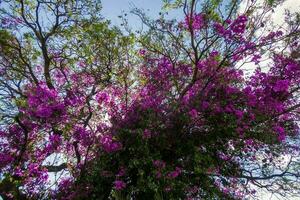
(78, 157)
(24, 145)
(57, 168)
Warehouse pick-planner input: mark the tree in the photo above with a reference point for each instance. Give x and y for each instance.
(164, 114)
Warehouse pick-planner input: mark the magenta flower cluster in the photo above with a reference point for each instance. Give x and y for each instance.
(109, 144)
(234, 29)
(44, 103)
(195, 21)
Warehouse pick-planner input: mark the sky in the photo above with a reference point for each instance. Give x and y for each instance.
(113, 8)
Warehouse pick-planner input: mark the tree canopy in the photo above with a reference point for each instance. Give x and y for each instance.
(94, 111)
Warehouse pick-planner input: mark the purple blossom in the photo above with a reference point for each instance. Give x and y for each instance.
(219, 28)
(239, 114)
(249, 142)
(175, 173)
(142, 52)
(119, 185)
(5, 159)
(238, 26)
(18, 172)
(43, 111)
(33, 169)
(147, 134)
(193, 113)
(122, 172)
(256, 58)
(159, 164)
(205, 105)
(81, 64)
(55, 140)
(83, 135)
(197, 21)
(158, 174)
(281, 86)
(102, 97)
(223, 156)
(44, 103)
(109, 144)
(280, 132)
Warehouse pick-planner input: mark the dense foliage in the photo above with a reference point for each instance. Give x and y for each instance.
(91, 111)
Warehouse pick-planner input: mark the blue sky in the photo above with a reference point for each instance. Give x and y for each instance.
(113, 8)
